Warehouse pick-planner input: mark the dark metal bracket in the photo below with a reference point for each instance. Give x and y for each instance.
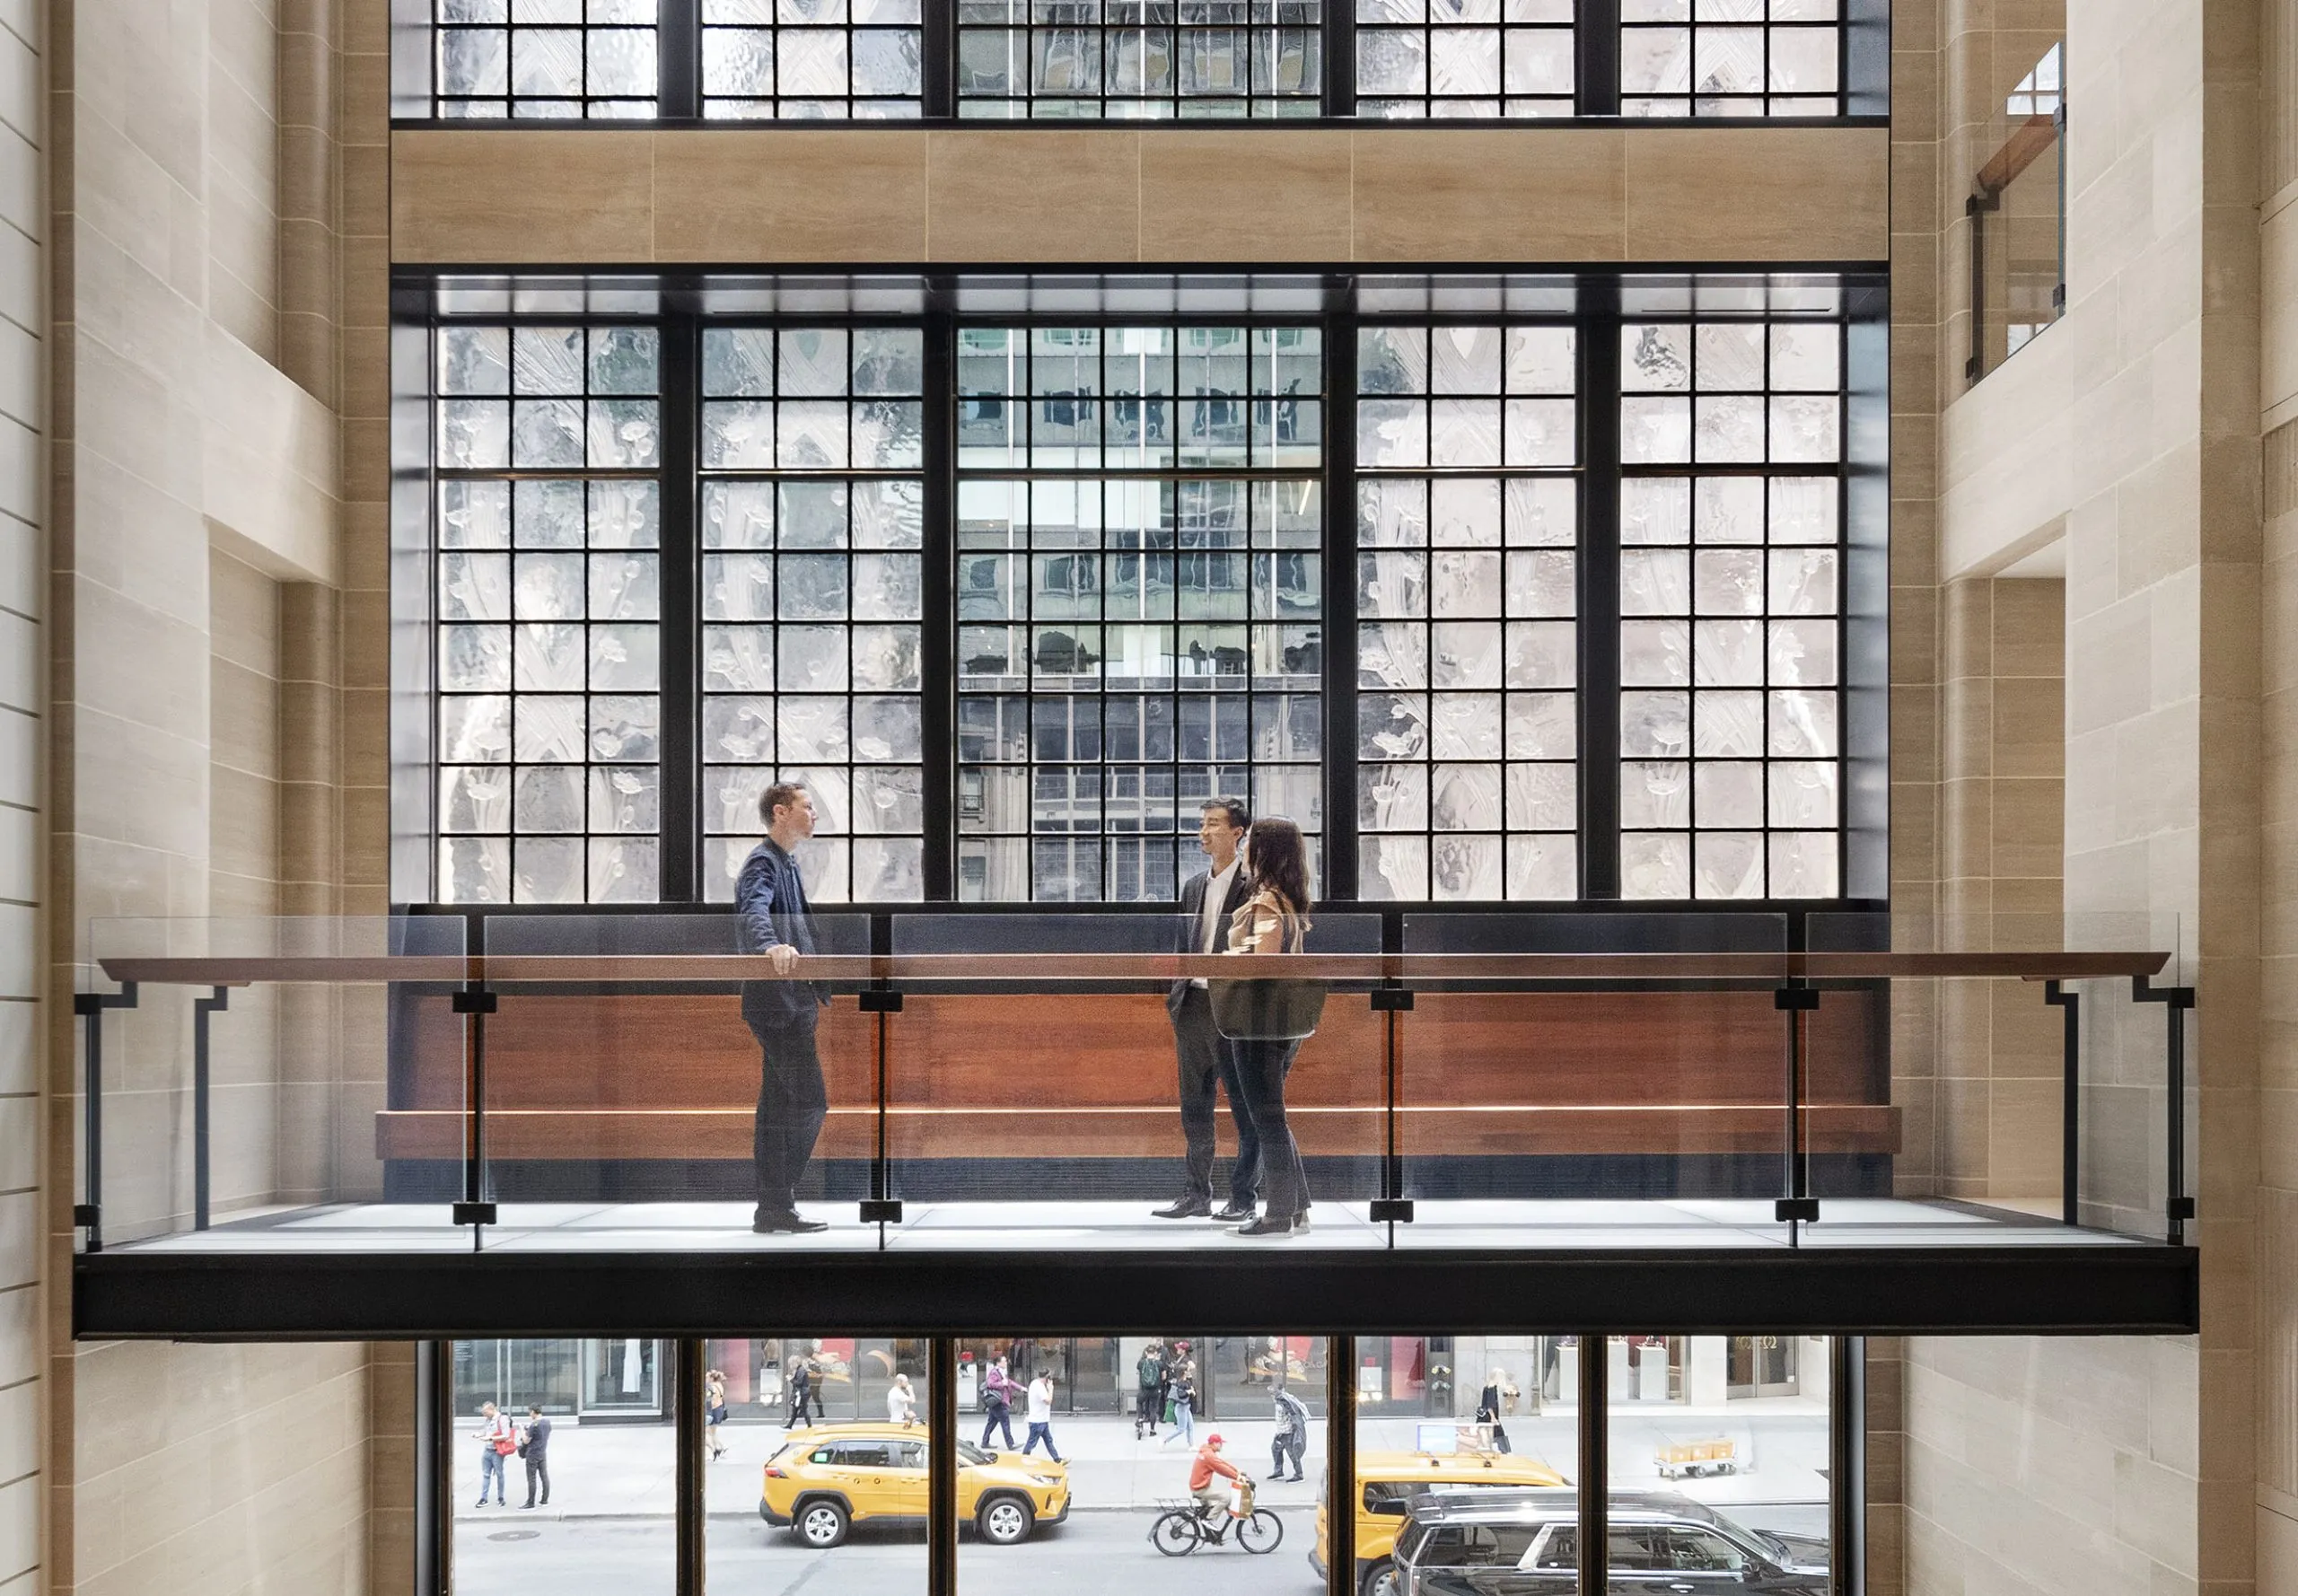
(218, 999)
(90, 1007)
(876, 1000)
(1391, 1000)
(1392, 1211)
(2179, 1207)
(1804, 1210)
(881, 1210)
(2055, 994)
(475, 1000)
(1799, 1207)
(474, 1212)
(1795, 999)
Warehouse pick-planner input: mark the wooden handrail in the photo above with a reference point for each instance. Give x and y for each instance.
(1034, 968)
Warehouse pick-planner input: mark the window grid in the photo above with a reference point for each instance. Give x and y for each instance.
(1465, 58)
(548, 589)
(812, 573)
(1731, 629)
(1152, 59)
(838, 60)
(1139, 596)
(1730, 58)
(1467, 600)
(544, 58)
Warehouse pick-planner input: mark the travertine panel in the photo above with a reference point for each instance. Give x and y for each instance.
(1796, 194)
(1255, 195)
(1053, 195)
(850, 195)
(540, 198)
(1471, 195)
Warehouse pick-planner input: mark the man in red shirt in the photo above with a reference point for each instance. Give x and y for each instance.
(1209, 1468)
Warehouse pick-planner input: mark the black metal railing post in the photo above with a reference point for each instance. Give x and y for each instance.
(476, 1003)
(1595, 1462)
(1796, 1000)
(2070, 1003)
(882, 1207)
(1391, 1207)
(218, 998)
(2178, 1208)
(941, 1467)
(688, 1389)
(90, 1007)
(1847, 1463)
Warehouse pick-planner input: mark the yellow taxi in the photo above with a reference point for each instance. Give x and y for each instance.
(828, 1476)
(1384, 1482)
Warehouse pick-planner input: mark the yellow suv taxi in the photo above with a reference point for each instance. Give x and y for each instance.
(1386, 1479)
(828, 1476)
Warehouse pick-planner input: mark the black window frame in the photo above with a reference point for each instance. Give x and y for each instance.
(1604, 301)
(1862, 96)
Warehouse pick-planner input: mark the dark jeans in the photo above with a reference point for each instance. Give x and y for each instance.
(1295, 1446)
(791, 1104)
(1041, 1433)
(1148, 1408)
(1261, 1067)
(1207, 1069)
(1001, 1419)
(538, 1473)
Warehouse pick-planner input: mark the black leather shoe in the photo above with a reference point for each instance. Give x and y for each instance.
(1269, 1225)
(1187, 1207)
(1234, 1212)
(790, 1223)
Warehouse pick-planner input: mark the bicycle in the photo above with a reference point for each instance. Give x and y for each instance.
(1184, 1526)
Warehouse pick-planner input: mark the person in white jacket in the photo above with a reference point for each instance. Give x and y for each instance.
(901, 1402)
(1042, 1415)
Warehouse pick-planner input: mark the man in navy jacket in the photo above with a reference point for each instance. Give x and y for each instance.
(770, 897)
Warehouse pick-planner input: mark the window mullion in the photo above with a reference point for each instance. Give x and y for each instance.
(1599, 663)
(1338, 687)
(1596, 70)
(681, 655)
(678, 60)
(1339, 47)
(937, 640)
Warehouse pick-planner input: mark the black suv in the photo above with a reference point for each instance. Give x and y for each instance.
(1527, 1543)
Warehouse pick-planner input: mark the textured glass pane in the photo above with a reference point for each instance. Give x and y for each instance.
(624, 433)
(1464, 512)
(1654, 793)
(475, 870)
(1541, 726)
(889, 801)
(1727, 794)
(888, 515)
(1464, 725)
(474, 360)
(1392, 797)
(1392, 868)
(1729, 725)
(1541, 653)
(1541, 431)
(1392, 360)
(474, 514)
(1730, 357)
(1728, 61)
(548, 728)
(1729, 427)
(475, 799)
(1391, 726)
(1464, 582)
(1803, 653)
(548, 798)
(474, 587)
(474, 730)
(1728, 510)
(1656, 653)
(814, 362)
(1542, 868)
(473, 659)
(1804, 865)
(1802, 61)
(625, 514)
(626, 800)
(738, 659)
(737, 62)
(474, 433)
(550, 587)
(811, 515)
(1656, 358)
(474, 61)
(813, 586)
(1393, 656)
(738, 729)
(1465, 867)
(1464, 61)
(622, 62)
(1653, 582)
(545, 432)
(1806, 428)
(1393, 433)
(1654, 510)
(1804, 581)
(1727, 582)
(1727, 653)
(1543, 797)
(624, 587)
(623, 658)
(1655, 867)
(811, 728)
(886, 728)
(1539, 63)
(548, 513)
(1804, 722)
(889, 434)
(1392, 583)
(811, 658)
(1727, 864)
(889, 870)
(624, 870)
(1802, 793)
(1393, 513)
(1806, 356)
(1804, 509)
(1655, 431)
(809, 434)
(737, 587)
(1541, 583)
(1655, 726)
(1540, 360)
(1464, 360)
(548, 869)
(1466, 433)
(737, 434)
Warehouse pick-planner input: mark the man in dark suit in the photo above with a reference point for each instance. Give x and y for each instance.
(1208, 900)
(770, 897)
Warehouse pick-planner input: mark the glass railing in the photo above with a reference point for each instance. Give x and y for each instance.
(939, 1080)
(2018, 212)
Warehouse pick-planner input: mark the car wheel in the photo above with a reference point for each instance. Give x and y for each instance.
(1004, 1521)
(821, 1523)
(1380, 1580)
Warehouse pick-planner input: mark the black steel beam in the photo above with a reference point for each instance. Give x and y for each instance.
(2075, 1288)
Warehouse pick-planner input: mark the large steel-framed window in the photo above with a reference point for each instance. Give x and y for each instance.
(1098, 60)
(1730, 58)
(1463, 59)
(811, 567)
(1467, 580)
(1731, 432)
(1139, 597)
(1124, 59)
(544, 58)
(1553, 589)
(841, 60)
(547, 443)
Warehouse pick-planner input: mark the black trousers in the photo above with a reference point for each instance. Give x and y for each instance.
(1295, 1446)
(1148, 1408)
(1001, 1417)
(538, 1471)
(1261, 1067)
(791, 1104)
(1207, 1069)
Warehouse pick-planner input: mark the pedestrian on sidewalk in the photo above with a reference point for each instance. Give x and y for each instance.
(1041, 1416)
(534, 1446)
(496, 1442)
(801, 1385)
(714, 1411)
(1149, 1402)
(998, 1390)
(1183, 1395)
(901, 1402)
(1292, 1435)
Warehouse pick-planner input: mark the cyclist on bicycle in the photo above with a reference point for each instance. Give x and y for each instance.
(1209, 1478)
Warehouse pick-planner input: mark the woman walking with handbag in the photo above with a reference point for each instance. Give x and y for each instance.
(1282, 1014)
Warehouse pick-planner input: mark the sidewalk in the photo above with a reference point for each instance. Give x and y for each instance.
(628, 1471)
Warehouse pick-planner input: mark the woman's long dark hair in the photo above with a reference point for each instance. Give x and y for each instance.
(1279, 863)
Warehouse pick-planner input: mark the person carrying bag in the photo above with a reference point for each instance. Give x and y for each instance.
(1264, 1020)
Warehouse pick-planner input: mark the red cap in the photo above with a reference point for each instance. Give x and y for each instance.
(1212, 1441)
